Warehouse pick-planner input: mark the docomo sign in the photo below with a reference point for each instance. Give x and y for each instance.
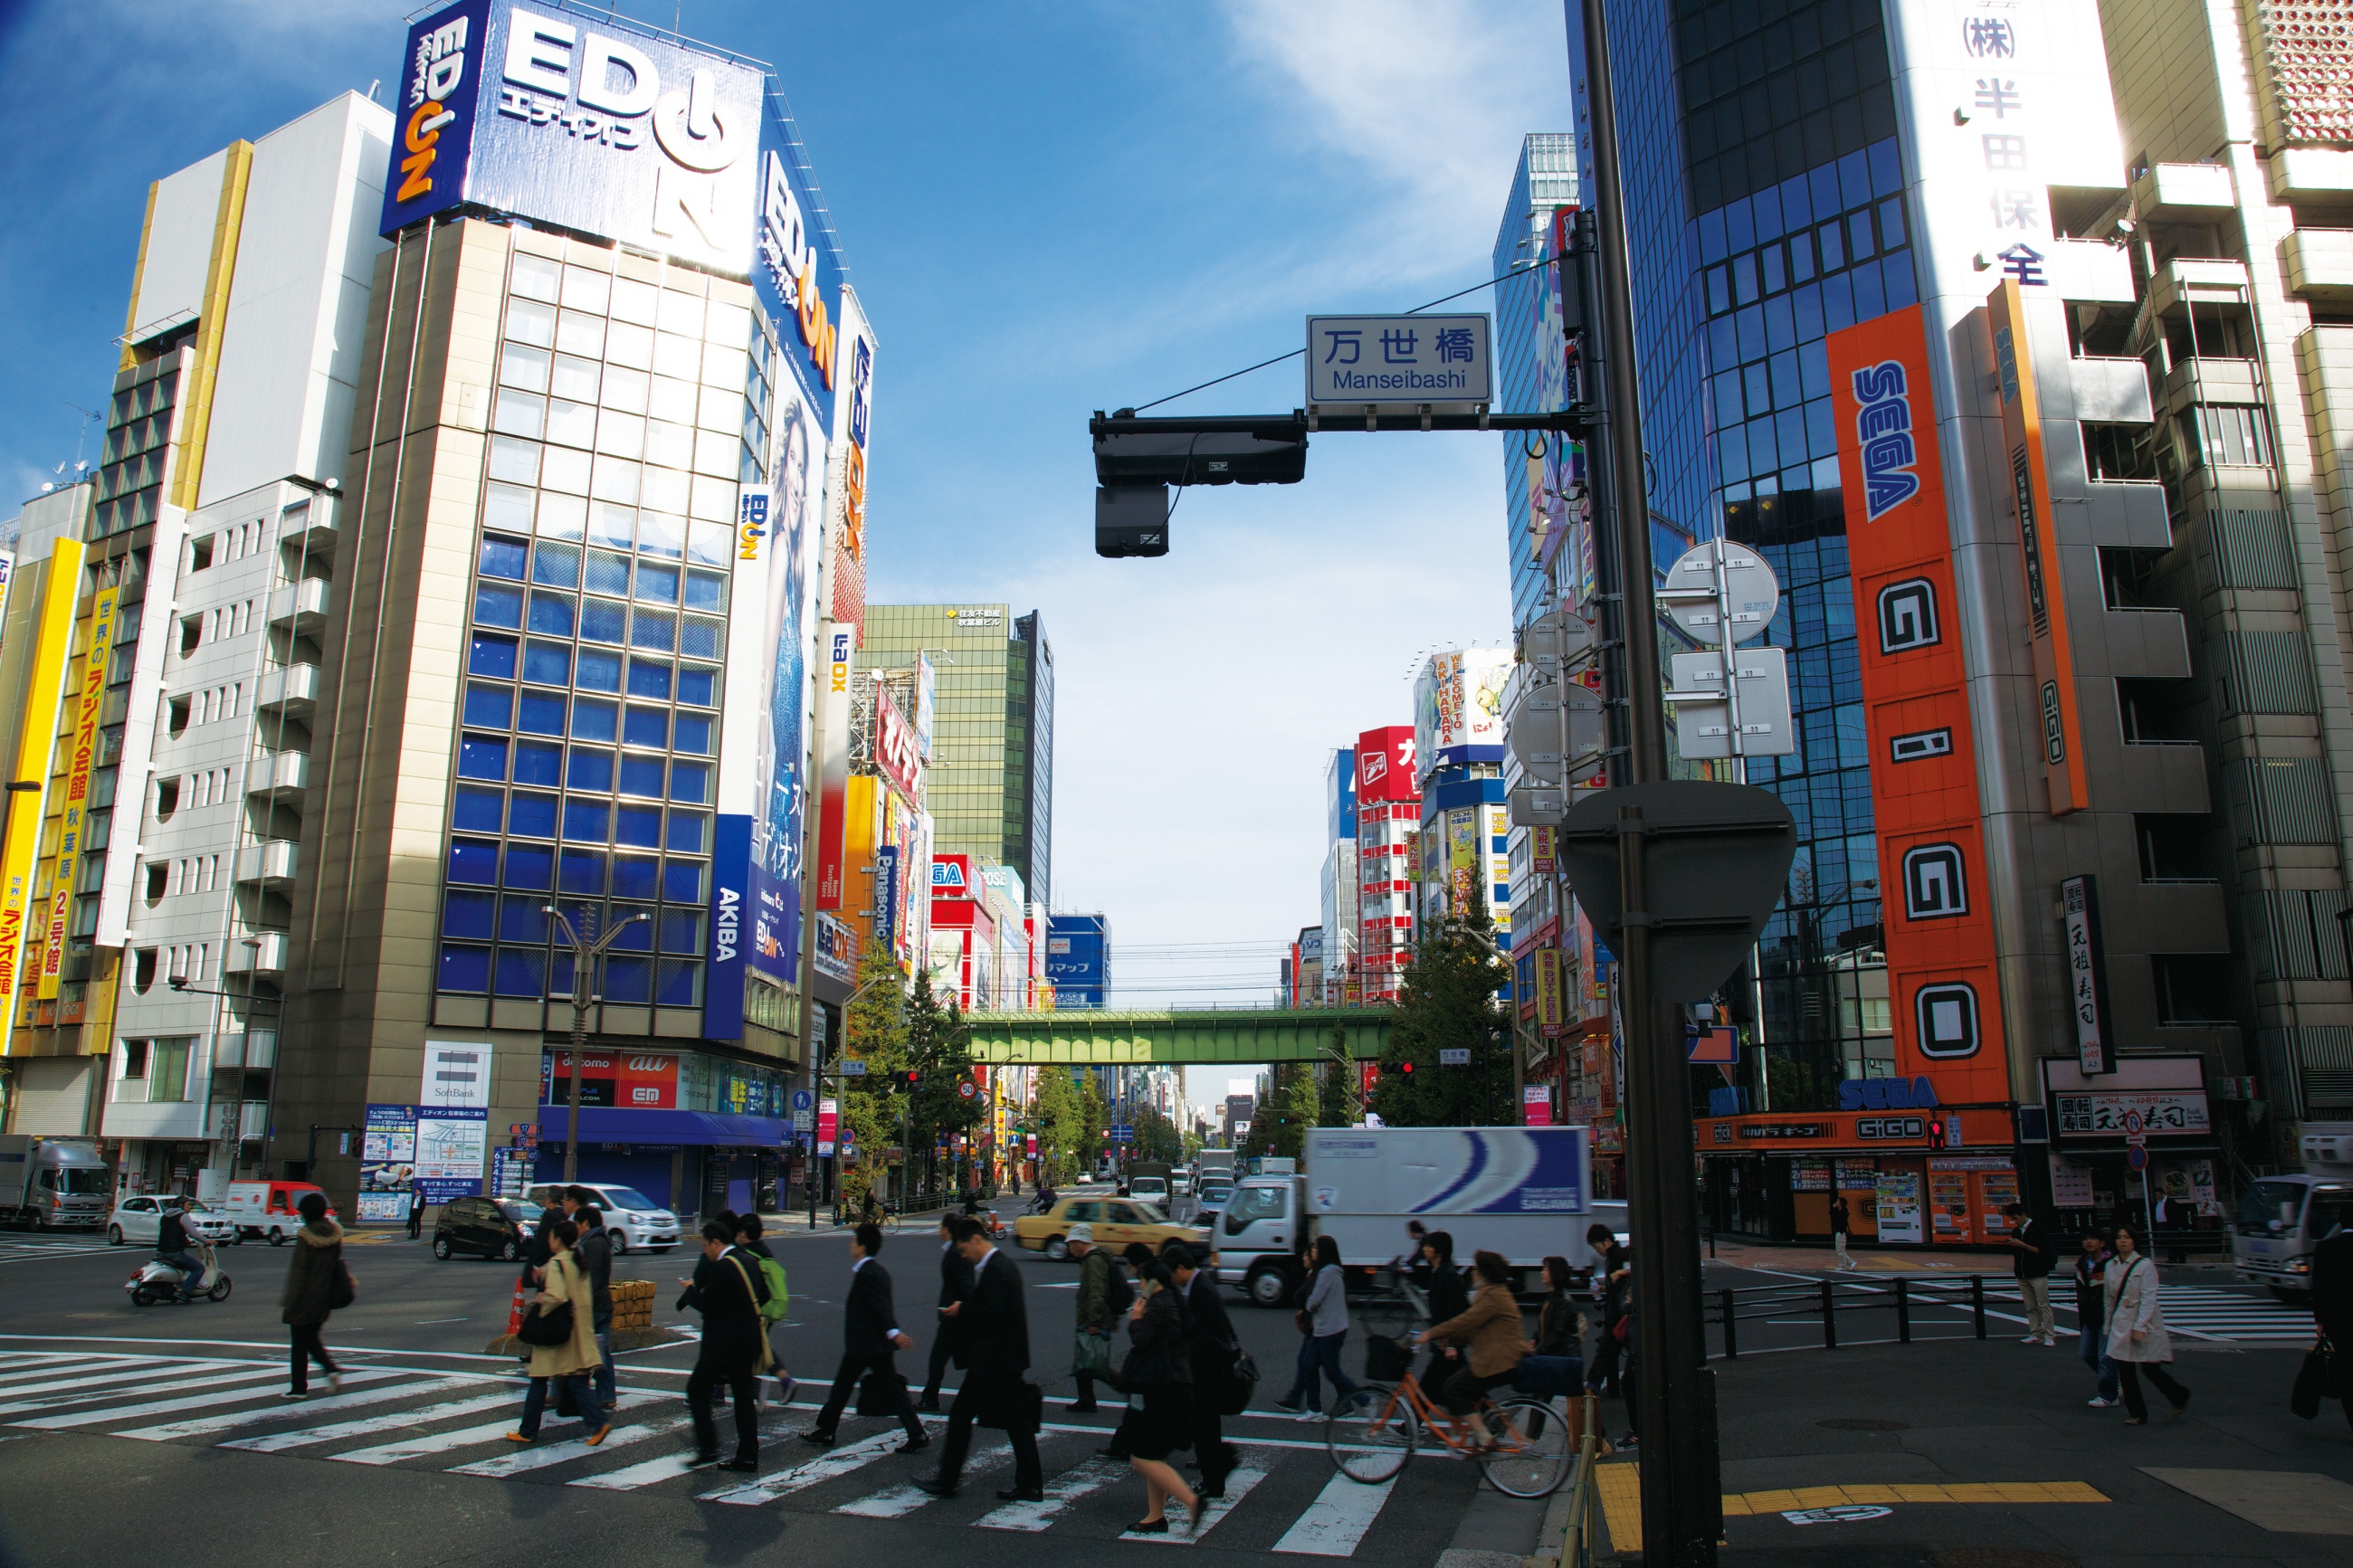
(644, 1082)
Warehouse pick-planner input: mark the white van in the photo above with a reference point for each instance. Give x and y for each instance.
(631, 1219)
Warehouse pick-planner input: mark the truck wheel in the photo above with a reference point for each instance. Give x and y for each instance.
(1267, 1286)
(1056, 1248)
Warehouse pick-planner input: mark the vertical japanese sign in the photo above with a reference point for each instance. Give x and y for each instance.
(89, 701)
(1552, 1013)
(1923, 782)
(828, 1123)
(926, 702)
(731, 880)
(50, 626)
(2038, 538)
(2087, 973)
(1541, 851)
(833, 771)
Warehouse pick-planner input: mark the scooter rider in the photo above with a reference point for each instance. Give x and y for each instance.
(173, 1247)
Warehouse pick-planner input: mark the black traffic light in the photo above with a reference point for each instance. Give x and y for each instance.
(1131, 519)
(1405, 1070)
(1130, 451)
(909, 1080)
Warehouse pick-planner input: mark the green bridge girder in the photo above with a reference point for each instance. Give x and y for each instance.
(1076, 1036)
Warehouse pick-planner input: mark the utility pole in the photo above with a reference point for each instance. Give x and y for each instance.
(1682, 1496)
(584, 955)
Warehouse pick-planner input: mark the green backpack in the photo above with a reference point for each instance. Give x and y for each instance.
(780, 1296)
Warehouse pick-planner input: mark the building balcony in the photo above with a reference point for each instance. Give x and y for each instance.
(2191, 280)
(2212, 378)
(269, 864)
(2148, 644)
(2164, 777)
(319, 526)
(2185, 193)
(255, 1048)
(2319, 264)
(280, 775)
(2167, 917)
(300, 607)
(264, 952)
(293, 689)
(2111, 391)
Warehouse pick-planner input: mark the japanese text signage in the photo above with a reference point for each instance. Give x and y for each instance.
(2087, 975)
(1400, 363)
(1924, 783)
(89, 701)
(2161, 1113)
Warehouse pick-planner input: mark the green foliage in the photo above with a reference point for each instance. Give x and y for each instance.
(939, 1047)
(1094, 1116)
(1156, 1138)
(1060, 1121)
(1796, 1084)
(875, 1031)
(1337, 1105)
(1448, 1003)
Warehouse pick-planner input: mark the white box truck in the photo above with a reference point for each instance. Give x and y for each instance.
(53, 1184)
(1525, 1191)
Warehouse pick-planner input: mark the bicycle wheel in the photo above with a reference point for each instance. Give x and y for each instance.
(1531, 1457)
(1371, 1434)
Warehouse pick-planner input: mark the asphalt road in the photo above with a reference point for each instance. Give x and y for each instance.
(245, 1479)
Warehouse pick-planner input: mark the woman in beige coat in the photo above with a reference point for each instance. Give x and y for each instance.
(2137, 1342)
(562, 1284)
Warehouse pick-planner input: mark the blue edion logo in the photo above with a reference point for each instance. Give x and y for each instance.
(1882, 427)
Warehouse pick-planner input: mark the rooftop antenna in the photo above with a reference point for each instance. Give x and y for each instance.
(81, 434)
(371, 87)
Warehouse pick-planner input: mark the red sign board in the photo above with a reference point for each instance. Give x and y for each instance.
(633, 1080)
(1385, 765)
(1924, 776)
(896, 752)
(1536, 1105)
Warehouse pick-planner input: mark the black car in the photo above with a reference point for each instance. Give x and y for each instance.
(487, 1227)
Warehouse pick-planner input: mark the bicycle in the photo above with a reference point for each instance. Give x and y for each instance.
(1374, 1431)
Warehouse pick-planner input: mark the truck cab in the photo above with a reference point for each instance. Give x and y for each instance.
(1254, 1241)
(53, 1184)
(2280, 1220)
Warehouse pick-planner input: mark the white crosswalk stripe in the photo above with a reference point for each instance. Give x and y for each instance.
(21, 1251)
(457, 1421)
(1243, 1480)
(2211, 1313)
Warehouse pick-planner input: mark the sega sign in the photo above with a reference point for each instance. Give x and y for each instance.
(1883, 429)
(1888, 1094)
(952, 876)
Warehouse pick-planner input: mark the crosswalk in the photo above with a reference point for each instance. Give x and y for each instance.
(37, 1248)
(1284, 1497)
(2204, 1312)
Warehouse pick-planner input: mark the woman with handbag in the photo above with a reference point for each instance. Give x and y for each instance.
(559, 1327)
(316, 1285)
(1158, 1377)
(1554, 1367)
(2138, 1342)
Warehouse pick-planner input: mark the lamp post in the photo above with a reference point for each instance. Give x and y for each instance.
(584, 955)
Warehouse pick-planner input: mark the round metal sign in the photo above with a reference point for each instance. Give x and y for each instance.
(2138, 1157)
(967, 1089)
(2132, 1123)
(1698, 603)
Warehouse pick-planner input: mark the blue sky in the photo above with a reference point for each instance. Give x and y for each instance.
(1047, 209)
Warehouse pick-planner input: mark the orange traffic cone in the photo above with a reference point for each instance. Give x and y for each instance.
(514, 1313)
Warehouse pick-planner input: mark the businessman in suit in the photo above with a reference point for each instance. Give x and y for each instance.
(1214, 1349)
(992, 1333)
(870, 1339)
(956, 1275)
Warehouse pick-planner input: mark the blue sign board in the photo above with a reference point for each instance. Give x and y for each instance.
(886, 897)
(731, 877)
(1341, 786)
(1078, 959)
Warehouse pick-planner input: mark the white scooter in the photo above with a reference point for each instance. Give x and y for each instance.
(158, 1282)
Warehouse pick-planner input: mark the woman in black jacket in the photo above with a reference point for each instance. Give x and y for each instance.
(1555, 1364)
(1159, 1368)
(1448, 1299)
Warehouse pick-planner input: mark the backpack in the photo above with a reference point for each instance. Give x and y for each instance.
(780, 1297)
(1118, 1294)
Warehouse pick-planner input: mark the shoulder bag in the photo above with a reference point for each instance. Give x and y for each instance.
(546, 1325)
(2319, 1377)
(767, 1357)
(342, 1291)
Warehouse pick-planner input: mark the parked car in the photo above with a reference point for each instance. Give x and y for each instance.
(1116, 1222)
(272, 1209)
(631, 1219)
(485, 1227)
(140, 1218)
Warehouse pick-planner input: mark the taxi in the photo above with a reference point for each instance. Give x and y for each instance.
(1116, 1222)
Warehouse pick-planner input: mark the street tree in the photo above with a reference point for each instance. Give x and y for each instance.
(939, 1047)
(1447, 1001)
(1060, 1121)
(875, 1033)
(1337, 1106)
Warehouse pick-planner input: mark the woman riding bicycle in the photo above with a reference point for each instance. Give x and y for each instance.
(1491, 1332)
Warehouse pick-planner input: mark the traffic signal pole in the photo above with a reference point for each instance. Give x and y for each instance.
(1682, 1495)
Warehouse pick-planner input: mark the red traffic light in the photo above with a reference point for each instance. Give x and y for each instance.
(1406, 1068)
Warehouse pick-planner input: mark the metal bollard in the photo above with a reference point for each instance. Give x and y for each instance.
(1731, 1326)
(1830, 1316)
(1976, 1301)
(1903, 1310)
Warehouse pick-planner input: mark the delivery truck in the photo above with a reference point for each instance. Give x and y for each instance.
(1523, 1192)
(2282, 1218)
(53, 1184)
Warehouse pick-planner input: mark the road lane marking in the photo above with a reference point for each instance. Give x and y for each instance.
(1337, 1520)
(199, 1426)
(367, 1426)
(650, 1472)
(418, 1448)
(1060, 1492)
(1239, 1483)
(830, 1465)
(897, 1502)
(540, 1456)
(210, 1379)
(198, 1402)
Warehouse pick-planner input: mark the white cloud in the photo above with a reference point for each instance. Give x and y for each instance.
(1431, 99)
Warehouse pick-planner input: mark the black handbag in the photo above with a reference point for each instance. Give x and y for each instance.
(547, 1327)
(1234, 1390)
(2320, 1377)
(881, 1394)
(342, 1292)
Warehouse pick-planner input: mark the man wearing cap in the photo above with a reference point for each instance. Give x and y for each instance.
(1098, 1311)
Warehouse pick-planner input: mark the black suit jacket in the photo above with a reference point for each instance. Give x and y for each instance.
(869, 1319)
(993, 1324)
(1212, 1330)
(2332, 1289)
(731, 1330)
(956, 1275)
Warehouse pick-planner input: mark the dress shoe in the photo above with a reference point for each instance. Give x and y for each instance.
(701, 1461)
(930, 1406)
(822, 1439)
(745, 1466)
(916, 1444)
(938, 1485)
(1021, 1494)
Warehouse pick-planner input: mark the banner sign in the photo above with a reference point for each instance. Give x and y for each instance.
(89, 701)
(1923, 782)
(2038, 538)
(731, 880)
(833, 775)
(51, 627)
(1551, 1009)
(631, 1080)
(2088, 971)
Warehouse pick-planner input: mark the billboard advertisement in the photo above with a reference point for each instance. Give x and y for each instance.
(895, 750)
(927, 683)
(1458, 703)
(1385, 765)
(776, 583)
(1924, 775)
(1078, 959)
(952, 876)
(1340, 795)
(837, 643)
(852, 425)
(88, 697)
(50, 626)
(731, 878)
(639, 1080)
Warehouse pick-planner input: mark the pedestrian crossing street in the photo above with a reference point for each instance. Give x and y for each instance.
(1284, 1497)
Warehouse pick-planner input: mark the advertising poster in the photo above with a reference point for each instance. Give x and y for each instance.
(457, 1076)
(387, 1161)
(1463, 858)
(52, 630)
(88, 697)
(451, 1146)
(838, 643)
(786, 577)
(1536, 1105)
(639, 1080)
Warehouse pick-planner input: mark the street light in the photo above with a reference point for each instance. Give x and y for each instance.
(583, 959)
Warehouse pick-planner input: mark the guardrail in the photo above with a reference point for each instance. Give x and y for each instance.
(1827, 1299)
(1578, 1547)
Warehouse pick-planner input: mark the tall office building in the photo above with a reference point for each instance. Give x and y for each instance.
(1343, 974)
(2005, 336)
(991, 785)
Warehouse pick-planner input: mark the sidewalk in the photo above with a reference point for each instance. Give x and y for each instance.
(1732, 1254)
(1947, 1453)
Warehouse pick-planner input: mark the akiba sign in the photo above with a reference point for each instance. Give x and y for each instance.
(730, 876)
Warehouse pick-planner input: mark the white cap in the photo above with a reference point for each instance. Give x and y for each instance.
(1081, 1231)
